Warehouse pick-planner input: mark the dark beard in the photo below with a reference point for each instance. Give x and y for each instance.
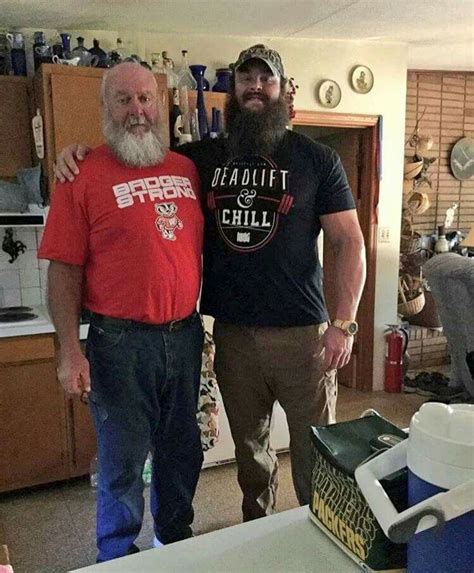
(255, 132)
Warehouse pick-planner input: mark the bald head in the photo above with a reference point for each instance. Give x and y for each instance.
(126, 73)
(131, 115)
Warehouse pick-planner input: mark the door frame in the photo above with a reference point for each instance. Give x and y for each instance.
(368, 180)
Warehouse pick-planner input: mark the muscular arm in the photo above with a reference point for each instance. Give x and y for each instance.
(64, 302)
(345, 237)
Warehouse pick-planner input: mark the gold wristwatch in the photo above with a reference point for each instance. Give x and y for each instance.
(348, 327)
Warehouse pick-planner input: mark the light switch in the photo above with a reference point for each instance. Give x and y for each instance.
(384, 235)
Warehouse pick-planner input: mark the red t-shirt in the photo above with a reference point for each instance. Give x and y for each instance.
(137, 232)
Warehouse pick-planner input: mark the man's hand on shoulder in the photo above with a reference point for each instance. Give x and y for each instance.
(73, 372)
(337, 348)
(66, 167)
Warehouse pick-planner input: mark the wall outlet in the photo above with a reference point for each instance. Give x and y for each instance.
(384, 235)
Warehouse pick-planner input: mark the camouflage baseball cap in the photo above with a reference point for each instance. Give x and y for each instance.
(261, 52)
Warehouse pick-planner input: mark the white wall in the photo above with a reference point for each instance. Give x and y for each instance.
(310, 61)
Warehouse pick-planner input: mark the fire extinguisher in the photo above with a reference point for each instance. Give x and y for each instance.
(397, 342)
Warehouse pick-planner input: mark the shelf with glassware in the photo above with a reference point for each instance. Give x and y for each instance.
(69, 101)
(212, 100)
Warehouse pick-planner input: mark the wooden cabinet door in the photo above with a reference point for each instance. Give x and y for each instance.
(82, 440)
(15, 130)
(33, 447)
(77, 112)
(82, 444)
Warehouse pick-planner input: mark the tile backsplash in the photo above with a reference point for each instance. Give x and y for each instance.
(23, 282)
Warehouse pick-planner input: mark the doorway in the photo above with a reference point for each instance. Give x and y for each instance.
(356, 139)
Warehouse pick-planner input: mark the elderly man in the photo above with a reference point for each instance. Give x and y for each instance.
(125, 241)
(269, 192)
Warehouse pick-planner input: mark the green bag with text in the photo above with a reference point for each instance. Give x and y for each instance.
(337, 505)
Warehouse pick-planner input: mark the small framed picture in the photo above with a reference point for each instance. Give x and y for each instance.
(329, 93)
(362, 79)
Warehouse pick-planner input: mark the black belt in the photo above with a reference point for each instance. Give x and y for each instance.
(101, 320)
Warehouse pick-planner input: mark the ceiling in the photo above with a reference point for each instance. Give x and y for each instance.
(420, 23)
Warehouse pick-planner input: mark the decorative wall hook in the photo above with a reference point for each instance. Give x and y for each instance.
(12, 247)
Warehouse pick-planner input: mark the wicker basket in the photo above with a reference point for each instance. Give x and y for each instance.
(410, 307)
(412, 169)
(417, 203)
(410, 243)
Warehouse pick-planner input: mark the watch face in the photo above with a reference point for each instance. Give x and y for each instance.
(352, 328)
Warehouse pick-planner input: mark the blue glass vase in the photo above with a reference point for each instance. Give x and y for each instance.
(66, 43)
(198, 72)
(18, 59)
(223, 80)
(201, 109)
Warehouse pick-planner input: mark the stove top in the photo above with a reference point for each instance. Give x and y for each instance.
(10, 317)
(13, 309)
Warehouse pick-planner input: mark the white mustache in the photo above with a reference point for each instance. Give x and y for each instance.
(136, 121)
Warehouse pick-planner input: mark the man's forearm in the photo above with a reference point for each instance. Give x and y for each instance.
(350, 277)
(64, 302)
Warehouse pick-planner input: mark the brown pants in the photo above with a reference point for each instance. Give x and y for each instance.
(254, 367)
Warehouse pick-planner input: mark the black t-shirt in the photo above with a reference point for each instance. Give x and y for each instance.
(261, 264)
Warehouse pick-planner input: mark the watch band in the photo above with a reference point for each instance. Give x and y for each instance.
(349, 327)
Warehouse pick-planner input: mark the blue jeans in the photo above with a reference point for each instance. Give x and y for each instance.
(145, 385)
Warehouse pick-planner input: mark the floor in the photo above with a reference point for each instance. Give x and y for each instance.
(51, 529)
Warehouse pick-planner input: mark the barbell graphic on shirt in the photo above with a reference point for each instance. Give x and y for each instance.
(246, 201)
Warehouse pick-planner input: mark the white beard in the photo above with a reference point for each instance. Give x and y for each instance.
(132, 150)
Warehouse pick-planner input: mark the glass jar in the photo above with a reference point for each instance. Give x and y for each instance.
(17, 53)
(222, 84)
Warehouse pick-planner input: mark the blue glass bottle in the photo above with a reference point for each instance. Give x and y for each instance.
(66, 42)
(201, 108)
(198, 71)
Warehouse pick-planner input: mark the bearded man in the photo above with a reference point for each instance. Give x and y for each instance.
(125, 241)
(269, 192)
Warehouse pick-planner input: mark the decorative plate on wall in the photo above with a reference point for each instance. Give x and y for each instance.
(362, 79)
(329, 93)
(462, 159)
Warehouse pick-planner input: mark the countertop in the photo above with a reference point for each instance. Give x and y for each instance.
(286, 542)
(40, 325)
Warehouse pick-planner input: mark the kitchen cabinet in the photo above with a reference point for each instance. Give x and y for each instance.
(45, 435)
(15, 130)
(70, 102)
(81, 436)
(32, 415)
